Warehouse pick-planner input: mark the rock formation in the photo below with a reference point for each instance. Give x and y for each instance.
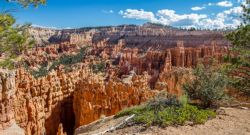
(7, 89)
(94, 98)
(7, 111)
(148, 36)
(42, 104)
(132, 63)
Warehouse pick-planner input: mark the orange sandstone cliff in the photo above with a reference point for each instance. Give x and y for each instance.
(138, 62)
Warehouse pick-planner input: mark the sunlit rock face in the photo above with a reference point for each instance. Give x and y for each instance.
(138, 62)
(147, 36)
(94, 97)
(7, 95)
(42, 104)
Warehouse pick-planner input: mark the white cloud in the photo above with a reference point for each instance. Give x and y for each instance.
(227, 18)
(169, 17)
(197, 8)
(234, 10)
(138, 14)
(225, 4)
(166, 17)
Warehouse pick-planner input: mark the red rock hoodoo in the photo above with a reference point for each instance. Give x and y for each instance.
(137, 62)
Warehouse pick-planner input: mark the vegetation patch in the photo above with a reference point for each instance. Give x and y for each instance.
(240, 63)
(98, 67)
(164, 111)
(208, 85)
(66, 60)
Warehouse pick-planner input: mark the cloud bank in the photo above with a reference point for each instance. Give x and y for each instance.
(226, 19)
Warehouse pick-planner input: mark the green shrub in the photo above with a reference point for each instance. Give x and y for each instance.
(14, 39)
(238, 72)
(42, 71)
(99, 67)
(161, 101)
(146, 117)
(72, 59)
(131, 110)
(163, 114)
(240, 41)
(66, 60)
(207, 86)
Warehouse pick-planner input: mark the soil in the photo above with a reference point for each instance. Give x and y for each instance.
(233, 121)
(229, 121)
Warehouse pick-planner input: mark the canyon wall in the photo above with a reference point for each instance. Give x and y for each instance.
(80, 96)
(42, 104)
(7, 95)
(8, 125)
(147, 36)
(156, 62)
(94, 98)
(137, 62)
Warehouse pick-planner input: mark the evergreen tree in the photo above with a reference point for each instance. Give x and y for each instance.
(14, 39)
(240, 39)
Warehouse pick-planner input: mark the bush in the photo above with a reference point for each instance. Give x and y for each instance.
(99, 67)
(130, 111)
(42, 71)
(66, 60)
(240, 41)
(238, 71)
(164, 112)
(207, 86)
(14, 39)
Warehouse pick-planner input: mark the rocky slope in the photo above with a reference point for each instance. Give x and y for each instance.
(130, 64)
(147, 36)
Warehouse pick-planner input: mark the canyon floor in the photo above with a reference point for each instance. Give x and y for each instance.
(230, 121)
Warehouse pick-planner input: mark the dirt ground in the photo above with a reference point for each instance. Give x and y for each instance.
(233, 121)
(229, 121)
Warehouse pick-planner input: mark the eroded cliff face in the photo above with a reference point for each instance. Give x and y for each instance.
(79, 97)
(147, 36)
(42, 104)
(137, 62)
(7, 95)
(164, 60)
(172, 81)
(93, 98)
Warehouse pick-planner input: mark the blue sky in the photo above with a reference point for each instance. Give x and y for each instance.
(82, 13)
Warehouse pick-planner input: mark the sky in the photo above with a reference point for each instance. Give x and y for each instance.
(211, 14)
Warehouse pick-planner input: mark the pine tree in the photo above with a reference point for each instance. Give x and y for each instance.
(14, 39)
(240, 65)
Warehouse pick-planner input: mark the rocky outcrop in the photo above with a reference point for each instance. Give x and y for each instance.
(79, 97)
(40, 55)
(8, 124)
(173, 80)
(135, 61)
(94, 97)
(155, 62)
(148, 36)
(7, 96)
(42, 35)
(42, 104)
